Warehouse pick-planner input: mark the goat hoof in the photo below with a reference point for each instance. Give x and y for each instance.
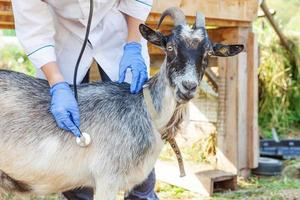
(84, 140)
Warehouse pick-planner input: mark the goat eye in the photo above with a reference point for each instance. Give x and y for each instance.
(169, 48)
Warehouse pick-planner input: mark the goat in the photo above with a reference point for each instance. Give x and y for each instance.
(38, 157)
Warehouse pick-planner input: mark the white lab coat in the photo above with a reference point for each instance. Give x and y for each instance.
(53, 30)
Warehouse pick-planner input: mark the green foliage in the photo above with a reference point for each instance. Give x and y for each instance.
(279, 78)
(13, 58)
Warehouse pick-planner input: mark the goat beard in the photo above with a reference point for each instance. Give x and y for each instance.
(173, 127)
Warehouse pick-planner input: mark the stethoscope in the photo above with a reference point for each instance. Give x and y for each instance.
(84, 139)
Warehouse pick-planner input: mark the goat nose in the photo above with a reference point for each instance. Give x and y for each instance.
(189, 85)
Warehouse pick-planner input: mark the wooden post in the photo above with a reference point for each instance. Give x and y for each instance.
(237, 79)
(242, 102)
(252, 109)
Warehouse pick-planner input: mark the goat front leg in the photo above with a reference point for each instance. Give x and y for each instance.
(106, 191)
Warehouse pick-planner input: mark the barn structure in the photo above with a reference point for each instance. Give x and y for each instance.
(233, 80)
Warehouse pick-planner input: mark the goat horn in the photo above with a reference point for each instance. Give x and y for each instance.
(176, 14)
(200, 20)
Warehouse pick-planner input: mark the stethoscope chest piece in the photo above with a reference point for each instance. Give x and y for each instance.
(84, 140)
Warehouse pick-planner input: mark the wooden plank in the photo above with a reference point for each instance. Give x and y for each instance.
(229, 35)
(6, 23)
(154, 50)
(3, 26)
(218, 13)
(239, 10)
(212, 77)
(216, 180)
(201, 179)
(6, 15)
(252, 109)
(94, 74)
(233, 151)
(153, 19)
(227, 154)
(169, 173)
(5, 5)
(242, 110)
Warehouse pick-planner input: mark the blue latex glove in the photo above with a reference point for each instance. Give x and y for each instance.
(64, 108)
(133, 59)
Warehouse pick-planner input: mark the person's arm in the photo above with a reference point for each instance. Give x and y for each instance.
(134, 34)
(138, 9)
(52, 73)
(136, 12)
(35, 30)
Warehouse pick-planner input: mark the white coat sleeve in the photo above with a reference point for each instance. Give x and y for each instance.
(139, 9)
(35, 30)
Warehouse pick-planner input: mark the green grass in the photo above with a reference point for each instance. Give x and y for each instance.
(170, 192)
(260, 187)
(9, 32)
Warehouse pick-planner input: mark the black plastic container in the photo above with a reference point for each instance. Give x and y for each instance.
(284, 149)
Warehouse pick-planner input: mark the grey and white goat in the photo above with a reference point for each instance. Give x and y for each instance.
(38, 157)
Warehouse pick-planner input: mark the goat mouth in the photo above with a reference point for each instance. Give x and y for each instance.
(184, 97)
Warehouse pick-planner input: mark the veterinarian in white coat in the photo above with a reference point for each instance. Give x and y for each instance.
(52, 33)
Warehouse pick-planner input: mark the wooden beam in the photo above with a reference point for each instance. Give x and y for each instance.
(242, 101)
(270, 18)
(212, 77)
(153, 19)
(239, 10)
(6, 15)
(203, 179)
(227, 156)
(218, 13)
(252, 107)
(6, 25)
(229, 35)
(2, 26)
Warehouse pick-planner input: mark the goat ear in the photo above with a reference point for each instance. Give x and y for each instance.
(222, 50)
(153, 36)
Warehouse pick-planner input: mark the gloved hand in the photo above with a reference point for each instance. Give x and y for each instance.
(132, 59)
(64, 108)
